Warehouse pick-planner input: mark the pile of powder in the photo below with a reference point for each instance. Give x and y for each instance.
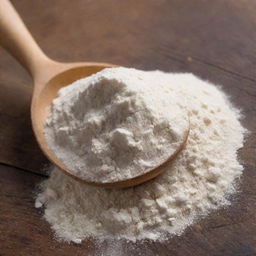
(116, 125)
(199, 180)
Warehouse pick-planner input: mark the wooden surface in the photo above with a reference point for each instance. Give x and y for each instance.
(213, 39)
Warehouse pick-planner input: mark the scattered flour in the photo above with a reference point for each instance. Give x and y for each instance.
(198, 181)
(116, 125)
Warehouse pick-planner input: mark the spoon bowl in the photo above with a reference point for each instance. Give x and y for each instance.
(40, 109)
(49, 76)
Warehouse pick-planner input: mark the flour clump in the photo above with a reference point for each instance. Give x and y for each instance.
(116, 125)
(199, 180)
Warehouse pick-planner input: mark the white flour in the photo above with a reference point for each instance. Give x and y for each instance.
(115, 125)
(199, 180)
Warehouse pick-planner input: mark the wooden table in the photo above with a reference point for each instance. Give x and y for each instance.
(216, 40)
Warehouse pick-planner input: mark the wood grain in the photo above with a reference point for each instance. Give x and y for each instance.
(213, 39)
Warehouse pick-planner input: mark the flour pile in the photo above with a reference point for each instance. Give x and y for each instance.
(198, 181)
(116, 125)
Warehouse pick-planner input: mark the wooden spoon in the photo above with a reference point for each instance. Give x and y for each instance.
(49, 76)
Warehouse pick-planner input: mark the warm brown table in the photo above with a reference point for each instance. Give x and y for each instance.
(216, 40)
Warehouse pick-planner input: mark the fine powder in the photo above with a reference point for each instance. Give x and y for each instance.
(116, 125)
(199, 180)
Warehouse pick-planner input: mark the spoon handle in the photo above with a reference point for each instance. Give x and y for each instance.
(15, 38)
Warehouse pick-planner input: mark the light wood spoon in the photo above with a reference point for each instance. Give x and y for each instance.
(49, 76)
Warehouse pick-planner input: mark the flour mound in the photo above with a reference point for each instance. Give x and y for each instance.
(115, 125)
(198, 181)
